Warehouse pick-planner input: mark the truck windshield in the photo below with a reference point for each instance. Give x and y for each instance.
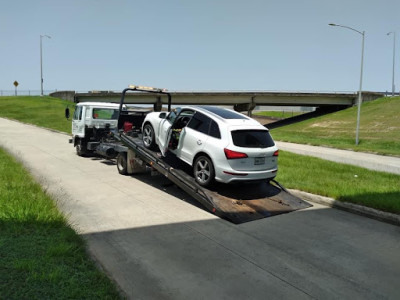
(105, 113)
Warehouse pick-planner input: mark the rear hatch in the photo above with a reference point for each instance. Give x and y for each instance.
(253, 150)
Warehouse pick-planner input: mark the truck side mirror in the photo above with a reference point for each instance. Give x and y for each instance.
(67, 113)
(162, 115)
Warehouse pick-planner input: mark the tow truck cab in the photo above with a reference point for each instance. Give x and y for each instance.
(89, 115)
(91, 120)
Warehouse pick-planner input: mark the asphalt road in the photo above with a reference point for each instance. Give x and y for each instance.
(157, 243)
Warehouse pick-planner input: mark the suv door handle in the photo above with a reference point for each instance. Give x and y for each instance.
(199, 142)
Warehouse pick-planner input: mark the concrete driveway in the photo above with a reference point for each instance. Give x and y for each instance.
(158, 243)
(382, 163)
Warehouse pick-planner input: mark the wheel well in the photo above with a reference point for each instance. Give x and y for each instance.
(148, 122)
(201, 154)
(77, 139)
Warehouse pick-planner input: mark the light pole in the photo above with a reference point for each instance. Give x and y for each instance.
(41, 66)
(394, 51)
(361, 76)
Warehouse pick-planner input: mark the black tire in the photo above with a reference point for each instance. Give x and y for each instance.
(148, 136)
(203, 171)
(80, 148)
(122, 165)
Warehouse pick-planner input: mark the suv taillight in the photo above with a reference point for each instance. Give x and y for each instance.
(230, 154)
(276, 153)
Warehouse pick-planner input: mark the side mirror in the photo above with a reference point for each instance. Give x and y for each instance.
(67, 113)
(162, 115)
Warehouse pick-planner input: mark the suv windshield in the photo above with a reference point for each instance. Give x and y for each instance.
(252, 138)
(105, 113)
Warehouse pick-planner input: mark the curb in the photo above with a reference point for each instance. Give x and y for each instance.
(372, 213)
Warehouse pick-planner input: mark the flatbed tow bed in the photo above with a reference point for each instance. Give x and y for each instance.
(235, 203)
(238, 203)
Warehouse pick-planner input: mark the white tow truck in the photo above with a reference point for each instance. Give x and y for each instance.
(114, 131)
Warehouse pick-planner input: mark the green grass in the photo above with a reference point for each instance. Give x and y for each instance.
(342, 182)
(278, 114)
(42, 111)
(380, 132)
(41, 257)
(379, 128)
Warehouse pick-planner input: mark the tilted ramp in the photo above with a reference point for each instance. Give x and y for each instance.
(237, 203)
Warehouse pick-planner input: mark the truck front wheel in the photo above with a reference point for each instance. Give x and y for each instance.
(122, 163)
(80, 147)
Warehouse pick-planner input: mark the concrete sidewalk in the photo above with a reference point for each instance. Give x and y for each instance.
(374, 162)
(156, 242)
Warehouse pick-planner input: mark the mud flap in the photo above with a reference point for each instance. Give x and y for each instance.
(135, 164)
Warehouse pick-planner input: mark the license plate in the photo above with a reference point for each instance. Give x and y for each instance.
(259, 160)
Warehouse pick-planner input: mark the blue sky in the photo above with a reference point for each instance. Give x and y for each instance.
(206, 45)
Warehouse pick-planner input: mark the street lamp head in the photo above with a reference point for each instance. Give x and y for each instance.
(332, 24)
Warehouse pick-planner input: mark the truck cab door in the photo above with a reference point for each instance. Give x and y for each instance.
(78, 124)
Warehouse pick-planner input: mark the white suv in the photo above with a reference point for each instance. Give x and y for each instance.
(219, 144)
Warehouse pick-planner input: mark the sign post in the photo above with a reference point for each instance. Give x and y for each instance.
(16, 84)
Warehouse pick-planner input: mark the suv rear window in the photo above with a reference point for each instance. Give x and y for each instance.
(252, 138)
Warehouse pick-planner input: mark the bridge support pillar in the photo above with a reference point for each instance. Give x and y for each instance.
(245, 107)
(158, 104)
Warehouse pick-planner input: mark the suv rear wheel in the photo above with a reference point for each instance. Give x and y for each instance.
(203, 171)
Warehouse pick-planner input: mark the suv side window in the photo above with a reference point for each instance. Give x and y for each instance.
(214, 130)
(200, 122)
(173, 114)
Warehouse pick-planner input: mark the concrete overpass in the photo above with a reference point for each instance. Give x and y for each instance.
(241, 101)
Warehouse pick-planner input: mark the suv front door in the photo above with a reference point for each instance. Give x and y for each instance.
(194, 137)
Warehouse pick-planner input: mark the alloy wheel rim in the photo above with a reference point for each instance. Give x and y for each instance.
(202, 171)
(147, 137)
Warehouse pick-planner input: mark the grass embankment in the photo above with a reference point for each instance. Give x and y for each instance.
(41, 257)
(278, 114)
(379, 128)
(347, 183)
(43, 111)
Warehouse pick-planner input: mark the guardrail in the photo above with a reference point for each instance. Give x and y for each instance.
(25, 92)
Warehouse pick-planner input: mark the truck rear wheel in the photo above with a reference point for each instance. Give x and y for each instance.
(122, 165)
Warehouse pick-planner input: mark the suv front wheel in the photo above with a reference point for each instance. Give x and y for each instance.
(203, 171)
(148, 136)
